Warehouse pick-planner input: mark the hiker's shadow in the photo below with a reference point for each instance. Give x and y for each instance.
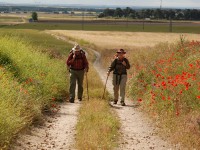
(120, 107)
(134, 105)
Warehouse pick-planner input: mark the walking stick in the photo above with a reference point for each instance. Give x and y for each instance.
(87, 86)
(105, 87)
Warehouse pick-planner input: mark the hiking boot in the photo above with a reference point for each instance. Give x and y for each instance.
(115, 102)
(71, 100)
(123, 104)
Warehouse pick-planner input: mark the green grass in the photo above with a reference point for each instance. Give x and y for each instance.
(41, 40)
(29, 79)
(130, 28)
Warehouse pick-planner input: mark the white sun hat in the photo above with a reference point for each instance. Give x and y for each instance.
(76, 47)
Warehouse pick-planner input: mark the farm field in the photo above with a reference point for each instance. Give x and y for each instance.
(10, 20)
(99, 27)
(92, 23)
(128, 40)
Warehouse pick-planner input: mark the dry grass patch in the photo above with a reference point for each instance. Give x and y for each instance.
(97, 128)
(127, 40)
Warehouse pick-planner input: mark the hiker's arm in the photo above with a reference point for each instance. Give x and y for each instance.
(127, 64)
(70, 60)
(112, 67)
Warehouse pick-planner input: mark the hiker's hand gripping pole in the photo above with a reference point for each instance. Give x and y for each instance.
(108, 73)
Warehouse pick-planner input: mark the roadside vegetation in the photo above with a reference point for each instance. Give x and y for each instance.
(165, 81)
(30, 80)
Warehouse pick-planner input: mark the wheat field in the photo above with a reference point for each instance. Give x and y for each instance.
(112, 40)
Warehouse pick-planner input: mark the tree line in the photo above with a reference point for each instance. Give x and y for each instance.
(44, 9)
(177, 14)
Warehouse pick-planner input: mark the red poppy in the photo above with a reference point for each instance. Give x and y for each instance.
(177, 113)
(163, 83)
(191, 65)
(181, 91)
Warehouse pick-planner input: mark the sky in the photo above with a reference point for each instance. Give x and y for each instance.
(165, 3)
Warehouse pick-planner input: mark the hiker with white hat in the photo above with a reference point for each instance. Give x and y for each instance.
(119, 67)
(78, 64)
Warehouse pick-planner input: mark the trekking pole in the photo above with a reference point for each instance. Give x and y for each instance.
(87, 86)
(105, 87)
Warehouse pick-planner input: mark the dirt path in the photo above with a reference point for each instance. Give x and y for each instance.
(138, 132)
(57, 133)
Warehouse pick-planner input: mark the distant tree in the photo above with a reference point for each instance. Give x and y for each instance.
(127, 11)
(118, 12)
(148, 13)
(194, 14)
(180, 16)
(159, 14)
(108, 12)
(35, 16)
(187, 14)
(133, 14)
(172, 14)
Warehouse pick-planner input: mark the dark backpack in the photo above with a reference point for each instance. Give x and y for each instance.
(116, 62)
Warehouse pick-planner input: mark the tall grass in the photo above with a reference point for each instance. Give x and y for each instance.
(29, 79)
(165, 81)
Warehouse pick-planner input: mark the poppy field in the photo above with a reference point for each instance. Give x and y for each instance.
(165, 81)
(174, 80)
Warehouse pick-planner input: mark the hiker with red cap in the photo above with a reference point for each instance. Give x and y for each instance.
(78, 65)
(119, 67)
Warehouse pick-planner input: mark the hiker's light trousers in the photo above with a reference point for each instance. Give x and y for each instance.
(76, 76)
(119, 83)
